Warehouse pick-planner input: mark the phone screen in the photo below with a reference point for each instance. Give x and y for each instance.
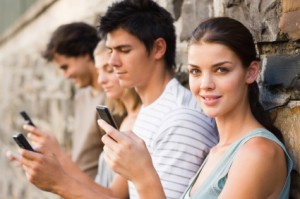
(105, 114)
(22, 141)
(27, 118)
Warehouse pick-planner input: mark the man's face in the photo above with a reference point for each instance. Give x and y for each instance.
(129, 58)
(78, 69)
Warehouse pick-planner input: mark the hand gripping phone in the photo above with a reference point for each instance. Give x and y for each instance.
(22, 141)
(27, 118)
(105, 114)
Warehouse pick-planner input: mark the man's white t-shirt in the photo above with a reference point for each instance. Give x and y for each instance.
(178, 136)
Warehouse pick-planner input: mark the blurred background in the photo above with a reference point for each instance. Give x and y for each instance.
(28, 82)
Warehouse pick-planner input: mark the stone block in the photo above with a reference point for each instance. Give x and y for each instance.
(290, 5)
(287, 120)
(261, 17)
(290, 23)
(281, 71)
(192, 13)
(279, 80)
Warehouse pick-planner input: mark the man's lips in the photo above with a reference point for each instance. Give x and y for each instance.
(120, 72)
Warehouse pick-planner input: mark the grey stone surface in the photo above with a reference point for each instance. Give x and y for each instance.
(192, 13)
(261, 17)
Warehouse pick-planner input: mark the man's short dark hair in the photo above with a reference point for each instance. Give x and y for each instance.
(72, 40)
(144, 19)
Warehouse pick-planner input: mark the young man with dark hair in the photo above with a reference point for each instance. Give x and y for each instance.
(141, 39)
(71, 47)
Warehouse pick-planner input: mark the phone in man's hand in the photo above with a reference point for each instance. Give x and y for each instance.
(105, 114)
(22, 141)
(27, 118)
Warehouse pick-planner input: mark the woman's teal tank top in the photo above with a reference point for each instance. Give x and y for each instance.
(213, 185)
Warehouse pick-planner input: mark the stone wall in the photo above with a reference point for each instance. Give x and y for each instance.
(27, 82)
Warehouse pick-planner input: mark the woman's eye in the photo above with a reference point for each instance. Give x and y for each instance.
(194, 71)
(222, 70)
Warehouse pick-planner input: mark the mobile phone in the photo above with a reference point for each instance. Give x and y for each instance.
(22, 141)
(105, 114)
(27, 118)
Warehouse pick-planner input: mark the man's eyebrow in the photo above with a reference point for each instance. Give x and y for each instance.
(119, 46)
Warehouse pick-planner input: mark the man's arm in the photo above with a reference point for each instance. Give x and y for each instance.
(121, 152)
(45, 171)
(46, 140)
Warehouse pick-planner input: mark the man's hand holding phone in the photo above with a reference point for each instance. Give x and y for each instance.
(122, 149)
(105, 115)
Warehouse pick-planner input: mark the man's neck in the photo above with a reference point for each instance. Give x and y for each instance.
(154, 88)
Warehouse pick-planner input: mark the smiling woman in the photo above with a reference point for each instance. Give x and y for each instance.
(223, 68)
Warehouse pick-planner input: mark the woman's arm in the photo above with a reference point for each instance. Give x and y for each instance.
(258, 171)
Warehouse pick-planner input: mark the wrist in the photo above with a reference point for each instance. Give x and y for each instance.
(63, 185)
(148, 182)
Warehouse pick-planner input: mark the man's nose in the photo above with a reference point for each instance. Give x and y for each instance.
(114, 60)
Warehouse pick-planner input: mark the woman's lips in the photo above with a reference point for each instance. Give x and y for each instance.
(210, 100)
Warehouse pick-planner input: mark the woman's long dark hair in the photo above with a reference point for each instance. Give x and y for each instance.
(234, 35)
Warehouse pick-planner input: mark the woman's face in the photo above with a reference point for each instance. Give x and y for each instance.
(217, 78)
(107, 78)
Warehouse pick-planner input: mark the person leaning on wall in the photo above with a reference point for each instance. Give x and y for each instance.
(71, 48)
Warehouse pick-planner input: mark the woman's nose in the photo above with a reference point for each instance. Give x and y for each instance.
(101, 78)
(207, 82)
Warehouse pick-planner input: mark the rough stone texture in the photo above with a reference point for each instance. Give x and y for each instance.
(290, 5)
(27, 82)
(290, 24)
(281, 71)
(290, 19)
(261, 17)
(287, 119)
(193, 12)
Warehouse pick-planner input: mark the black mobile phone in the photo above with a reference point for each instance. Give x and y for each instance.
(27, 118)
(22, 141)
(105, 114)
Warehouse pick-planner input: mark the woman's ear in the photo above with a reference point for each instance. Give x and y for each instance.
(159, 48)
(252, 72)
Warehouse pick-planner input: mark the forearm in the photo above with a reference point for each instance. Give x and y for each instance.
(71, 188)
(72, 169)
(150, 186)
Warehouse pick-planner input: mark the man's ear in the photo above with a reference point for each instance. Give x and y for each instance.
(159, 48)
(252, 72)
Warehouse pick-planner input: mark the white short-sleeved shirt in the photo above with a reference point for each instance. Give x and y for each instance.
(178, 136)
